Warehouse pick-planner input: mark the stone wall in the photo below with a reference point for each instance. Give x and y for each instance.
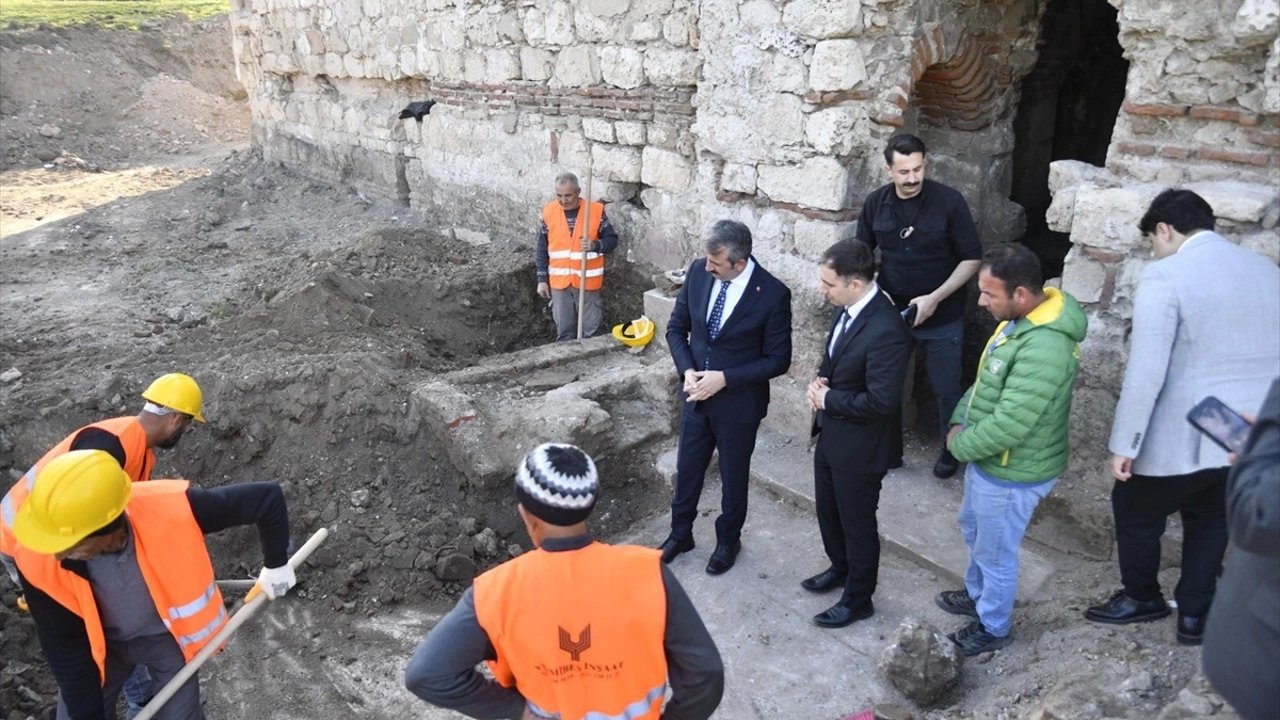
(1203, 112)
(772, 112)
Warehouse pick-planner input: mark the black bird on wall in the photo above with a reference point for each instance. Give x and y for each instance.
(416, 110)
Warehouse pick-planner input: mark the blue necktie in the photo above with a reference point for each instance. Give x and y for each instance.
(717, 311)
(713, 323)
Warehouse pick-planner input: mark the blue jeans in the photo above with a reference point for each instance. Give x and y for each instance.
(993, 518)
(942, 347)
(138, 690)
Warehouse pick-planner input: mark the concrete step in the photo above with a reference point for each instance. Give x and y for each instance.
(917, 513)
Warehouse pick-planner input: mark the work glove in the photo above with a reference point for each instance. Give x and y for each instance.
(275, 582)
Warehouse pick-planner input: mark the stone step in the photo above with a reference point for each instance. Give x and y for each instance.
(917, 513)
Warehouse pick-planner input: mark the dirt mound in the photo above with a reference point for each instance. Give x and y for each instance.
(116, 97)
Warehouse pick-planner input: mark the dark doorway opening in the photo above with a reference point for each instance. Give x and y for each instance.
(1067, 111)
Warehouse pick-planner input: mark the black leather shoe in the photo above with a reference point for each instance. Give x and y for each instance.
(672, 546)
(723, 558)
(946, 466)
(1191, 629)
(825, 581)
(1122, 610)
(843, 613)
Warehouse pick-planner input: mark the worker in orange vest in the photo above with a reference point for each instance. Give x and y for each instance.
(558, 258)
(117, 575)
(573, 628)
(173, 401)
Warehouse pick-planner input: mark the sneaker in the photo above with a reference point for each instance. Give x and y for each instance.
(973, 639)
(957, 602)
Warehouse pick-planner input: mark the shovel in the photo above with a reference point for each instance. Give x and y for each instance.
(252, 602)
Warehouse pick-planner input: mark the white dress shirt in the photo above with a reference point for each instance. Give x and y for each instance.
(851, 314)
(737, 287)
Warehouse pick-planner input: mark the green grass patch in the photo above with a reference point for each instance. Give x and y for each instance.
(113, 14)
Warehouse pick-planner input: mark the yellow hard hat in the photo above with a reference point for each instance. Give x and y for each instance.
(177, 391)
(636, 334)
(74, 495)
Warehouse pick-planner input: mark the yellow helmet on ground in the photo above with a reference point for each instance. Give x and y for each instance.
(637, 334)
(75, 494)
(177, 391)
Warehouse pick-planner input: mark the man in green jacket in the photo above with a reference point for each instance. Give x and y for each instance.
(1011, 427)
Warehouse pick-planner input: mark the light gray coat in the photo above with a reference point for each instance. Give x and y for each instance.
(1206, 321)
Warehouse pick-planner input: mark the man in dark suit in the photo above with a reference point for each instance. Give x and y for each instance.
(854, 397)
(730, 332)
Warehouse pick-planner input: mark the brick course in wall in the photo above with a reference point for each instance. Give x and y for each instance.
(639, 104)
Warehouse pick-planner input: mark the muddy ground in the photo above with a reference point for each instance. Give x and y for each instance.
(139, 234)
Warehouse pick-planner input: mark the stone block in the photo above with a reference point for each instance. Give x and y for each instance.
(534, 26)
(1266, 244)
(671, 68)
(830, 131)
(1256, 20)
(821, 182)
(665, 169)
(576, 66)
(1061, 210)
(738, 177)
(1083, 278)
(663, 136)
(510, 28)
(759, 14)
(781, 121)
(536, 64)
(616, 163)
(823, 18)
(813, 237)
(501, 65)
(645, 31)
(597, 129)
(606, 8)
(622, 67)
(559, 24)
(1237, 201)
(473, 67)
(1067, 173)
(675, 29)
(629, 132)
(1107, 218)
(836, 65)
(658, 306)
(471, 237)
(592, 29)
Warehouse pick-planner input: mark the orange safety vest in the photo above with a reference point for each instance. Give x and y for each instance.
(138, 463)
(566, 251)
(174, 562)
(580, 632)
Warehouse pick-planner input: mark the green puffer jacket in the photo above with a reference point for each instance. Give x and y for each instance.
(1015, 414)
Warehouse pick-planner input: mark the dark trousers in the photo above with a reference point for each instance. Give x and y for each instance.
(846, 503)
(1141, 507)
(700, 435)
(162, 657)
(941, 348)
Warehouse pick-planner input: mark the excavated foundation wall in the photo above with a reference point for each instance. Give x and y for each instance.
(774, 112)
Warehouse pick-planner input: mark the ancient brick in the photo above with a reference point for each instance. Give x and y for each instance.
(1174, 152)
(1139, 149)
(1256, 159)
(1102, 256)
(1156, 109)
(1265, 138)
(1213, 112)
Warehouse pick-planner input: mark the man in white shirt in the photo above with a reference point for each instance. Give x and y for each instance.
(729, 334)
(854, 399)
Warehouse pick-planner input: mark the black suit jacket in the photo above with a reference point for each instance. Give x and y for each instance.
(754, 343)
(865, 375)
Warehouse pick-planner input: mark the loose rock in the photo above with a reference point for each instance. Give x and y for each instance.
(921, 662)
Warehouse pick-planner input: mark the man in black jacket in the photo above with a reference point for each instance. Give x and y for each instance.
(854, 398)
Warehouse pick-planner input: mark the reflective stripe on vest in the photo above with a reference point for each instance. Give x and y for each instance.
(565, 250)
(138, 461)
(580, 632)
(635, 710)
(175, 566)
